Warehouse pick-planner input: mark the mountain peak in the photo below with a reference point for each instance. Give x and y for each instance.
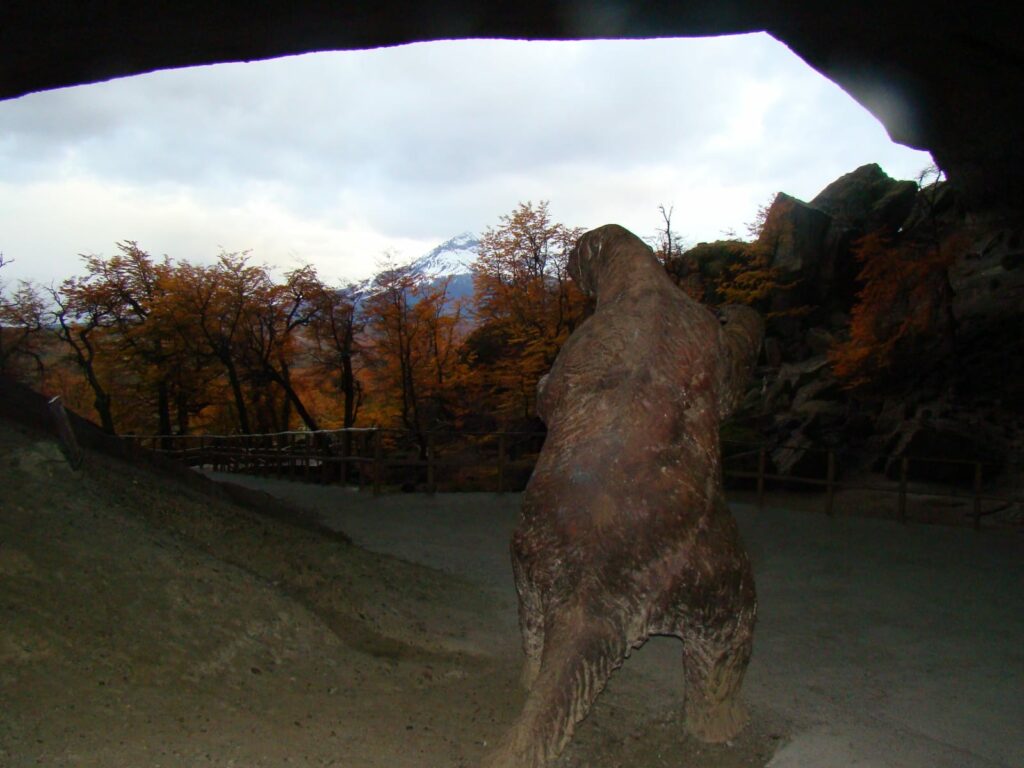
(452, 257)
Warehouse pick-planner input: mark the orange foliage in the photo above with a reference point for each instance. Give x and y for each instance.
(526, 306)
(903, 303)
(164, 347)
(751, 279)
(413, 330)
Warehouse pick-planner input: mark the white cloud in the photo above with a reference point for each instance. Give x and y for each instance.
(337, 157)
(58, 221)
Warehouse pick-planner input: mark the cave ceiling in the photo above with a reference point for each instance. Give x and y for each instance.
(941, 77)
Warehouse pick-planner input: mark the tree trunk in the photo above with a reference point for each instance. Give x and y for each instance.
(102, 405)
(236, 390)
(283, 378)
(181, 406)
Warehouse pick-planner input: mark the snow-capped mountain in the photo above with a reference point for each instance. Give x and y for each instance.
(450, 258)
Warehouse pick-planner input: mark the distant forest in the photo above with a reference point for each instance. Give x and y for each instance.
(148, 345)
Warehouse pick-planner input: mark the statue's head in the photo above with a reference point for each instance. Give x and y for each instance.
(596, 250)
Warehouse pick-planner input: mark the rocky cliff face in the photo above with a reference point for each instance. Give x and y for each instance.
(956, 390)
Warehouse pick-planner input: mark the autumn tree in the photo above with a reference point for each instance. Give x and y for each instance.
(216, 303)
(133, 288)
(668, 245)
(525, 304)
(903, 312)
(337, 353)
(117, 319)
(335, 330)
(413, 329)
(751, 278)
(81, 313)
(442, 318)
(22, 329)
(272, 324)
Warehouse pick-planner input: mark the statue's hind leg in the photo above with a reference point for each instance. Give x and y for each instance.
(531, 622)
(714, 662)
(717, 629)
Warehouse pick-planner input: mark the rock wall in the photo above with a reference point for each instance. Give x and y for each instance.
(959, 398)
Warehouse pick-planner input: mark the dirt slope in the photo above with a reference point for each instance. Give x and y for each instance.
(142, 623)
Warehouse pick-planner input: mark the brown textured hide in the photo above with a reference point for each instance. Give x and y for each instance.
(624, 532)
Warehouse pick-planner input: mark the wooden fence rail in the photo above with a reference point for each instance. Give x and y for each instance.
(381, 458)
(367, 456)
(830, 483)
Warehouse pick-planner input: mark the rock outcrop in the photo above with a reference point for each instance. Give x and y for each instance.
(958, 389)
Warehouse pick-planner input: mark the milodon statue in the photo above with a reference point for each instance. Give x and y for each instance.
(624, 532)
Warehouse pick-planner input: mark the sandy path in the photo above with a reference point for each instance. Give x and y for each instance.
(878, 644)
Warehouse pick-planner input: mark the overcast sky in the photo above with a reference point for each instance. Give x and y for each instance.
(335, 158)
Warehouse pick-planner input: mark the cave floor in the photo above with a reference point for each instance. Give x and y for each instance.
(877, 644)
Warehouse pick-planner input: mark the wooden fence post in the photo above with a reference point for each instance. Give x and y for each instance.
(977, 495)
(361, 451)
(348, 450)
(501, 462)
(762, 460)
(431, 480)
(68, 443)
(324, 449)
(904, 467)
(830, 483)
(378, 461)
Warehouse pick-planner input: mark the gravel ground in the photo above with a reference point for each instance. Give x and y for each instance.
(877, 644)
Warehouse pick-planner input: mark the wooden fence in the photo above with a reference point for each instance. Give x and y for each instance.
(750, 462)
(502, 461)
(498, 461)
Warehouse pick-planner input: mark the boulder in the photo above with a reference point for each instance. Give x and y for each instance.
(891, 209)
(867, 199)
(801, 456)
(791, 378)
(793, 233)
(809, 410)
(824, 389)
(798, 457)
(938, 203)
(806, 370)
(859, 202)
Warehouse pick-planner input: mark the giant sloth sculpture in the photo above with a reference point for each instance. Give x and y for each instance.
(624, 532)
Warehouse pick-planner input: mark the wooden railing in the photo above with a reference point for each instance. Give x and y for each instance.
(372, 457)
(502, 461)
(965, 478)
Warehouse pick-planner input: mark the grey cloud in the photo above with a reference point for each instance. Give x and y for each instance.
(428, 140)
(428, 113)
